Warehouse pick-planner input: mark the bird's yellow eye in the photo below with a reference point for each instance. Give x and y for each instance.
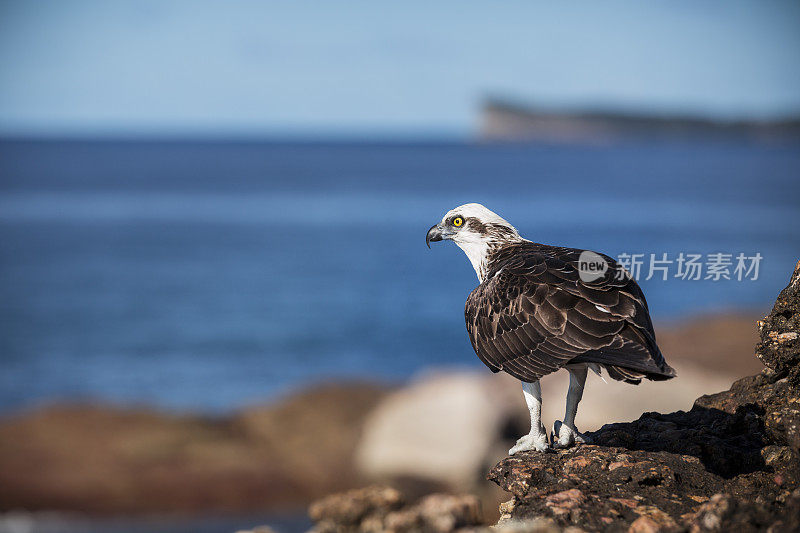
(458, 221)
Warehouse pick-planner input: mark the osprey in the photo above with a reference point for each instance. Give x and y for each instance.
(538, 309)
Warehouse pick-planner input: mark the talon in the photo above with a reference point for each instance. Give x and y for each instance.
(531, 441)
(565, 437)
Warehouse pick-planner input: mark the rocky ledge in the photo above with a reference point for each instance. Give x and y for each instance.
(732, 463)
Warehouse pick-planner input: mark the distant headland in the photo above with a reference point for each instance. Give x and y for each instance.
(505, 120)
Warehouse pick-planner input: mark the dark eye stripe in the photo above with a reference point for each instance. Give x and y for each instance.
(476, 225)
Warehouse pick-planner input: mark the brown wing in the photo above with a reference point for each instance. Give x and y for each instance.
(534, 314)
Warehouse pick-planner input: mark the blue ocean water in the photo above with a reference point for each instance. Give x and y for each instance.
(203, 275)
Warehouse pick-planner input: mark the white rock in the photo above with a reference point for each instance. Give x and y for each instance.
(445, 427)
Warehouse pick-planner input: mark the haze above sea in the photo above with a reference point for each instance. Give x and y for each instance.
(212, 275)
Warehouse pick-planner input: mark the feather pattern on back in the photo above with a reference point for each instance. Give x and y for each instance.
(533, 314)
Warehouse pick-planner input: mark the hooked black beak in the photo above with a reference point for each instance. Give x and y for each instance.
(434, 235)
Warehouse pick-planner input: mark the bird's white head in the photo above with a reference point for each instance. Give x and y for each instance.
(476, 230)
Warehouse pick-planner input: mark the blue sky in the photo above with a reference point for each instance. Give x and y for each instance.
(300, 67)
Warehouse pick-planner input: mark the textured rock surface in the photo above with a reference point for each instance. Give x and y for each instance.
(384, 509)
(779, 348)
(731, 463)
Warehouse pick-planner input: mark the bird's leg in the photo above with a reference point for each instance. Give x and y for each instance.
(566, 434)
(537, 438)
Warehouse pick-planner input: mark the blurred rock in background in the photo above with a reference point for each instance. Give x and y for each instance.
(113, 460)
(444, 426)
